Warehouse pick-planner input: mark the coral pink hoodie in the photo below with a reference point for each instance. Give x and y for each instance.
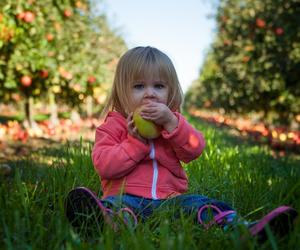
(127, 165)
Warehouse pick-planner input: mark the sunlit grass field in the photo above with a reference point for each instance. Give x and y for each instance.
(244, 175)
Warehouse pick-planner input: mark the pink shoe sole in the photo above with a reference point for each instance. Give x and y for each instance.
(280, 221)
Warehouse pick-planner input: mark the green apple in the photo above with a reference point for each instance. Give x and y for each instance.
(146, 128)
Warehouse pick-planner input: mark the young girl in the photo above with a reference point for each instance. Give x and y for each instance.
(139, 175)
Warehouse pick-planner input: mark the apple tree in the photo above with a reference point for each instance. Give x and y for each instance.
(56, 50)
(254, 61)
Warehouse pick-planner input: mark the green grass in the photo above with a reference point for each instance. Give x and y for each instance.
(243, 174)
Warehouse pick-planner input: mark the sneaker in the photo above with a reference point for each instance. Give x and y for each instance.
(87, 214)
(280, 221)
(85, 211)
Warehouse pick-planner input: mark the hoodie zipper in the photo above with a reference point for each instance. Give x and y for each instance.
(155, 171)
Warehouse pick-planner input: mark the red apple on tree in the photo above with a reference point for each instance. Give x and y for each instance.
(67, 13)
(44, 73)
(21, 16)
(279, 31)
(26, 81)
(67, 75)
(260, 23)
(91, 79)
(29, 17)
(49, 37)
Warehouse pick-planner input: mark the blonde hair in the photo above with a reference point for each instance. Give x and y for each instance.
(134, 65)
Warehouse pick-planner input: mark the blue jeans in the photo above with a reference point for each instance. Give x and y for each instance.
(143, 207)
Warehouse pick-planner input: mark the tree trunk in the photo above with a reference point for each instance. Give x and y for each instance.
(29, 122)
(75, 117)
(89, 106)
(53, 110)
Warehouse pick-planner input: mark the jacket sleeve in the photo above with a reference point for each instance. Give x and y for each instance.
(113, 158)
(187, 142)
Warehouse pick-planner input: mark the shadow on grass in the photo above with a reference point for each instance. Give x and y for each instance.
(68, 164)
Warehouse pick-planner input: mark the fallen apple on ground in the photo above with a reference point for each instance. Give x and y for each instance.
(146, 128)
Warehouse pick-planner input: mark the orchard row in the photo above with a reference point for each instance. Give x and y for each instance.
(254, 62)
(56, 51)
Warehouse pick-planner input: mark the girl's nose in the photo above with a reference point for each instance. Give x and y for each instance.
(149, 93)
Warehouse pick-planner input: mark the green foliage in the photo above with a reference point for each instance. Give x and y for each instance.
(255, 59)
(58, 46)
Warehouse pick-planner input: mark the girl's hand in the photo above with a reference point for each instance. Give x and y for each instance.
(160, 114)
(132, 130)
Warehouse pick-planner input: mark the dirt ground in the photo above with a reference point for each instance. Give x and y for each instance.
(11, 150)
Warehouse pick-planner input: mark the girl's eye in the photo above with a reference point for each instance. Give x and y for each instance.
(159, 86)
(138, 86)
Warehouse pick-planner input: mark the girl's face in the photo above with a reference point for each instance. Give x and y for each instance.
(151, 88)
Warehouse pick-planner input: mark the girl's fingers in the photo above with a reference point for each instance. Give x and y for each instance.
(149, 107)
(129, 118)
(150, 116)
(130, 126)
(148, 113)
(147, 117)
(134, 130)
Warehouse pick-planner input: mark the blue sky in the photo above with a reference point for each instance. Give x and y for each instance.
(180, 28)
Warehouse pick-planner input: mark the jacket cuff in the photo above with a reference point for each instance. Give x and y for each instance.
(136, 149)
(180, 135)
